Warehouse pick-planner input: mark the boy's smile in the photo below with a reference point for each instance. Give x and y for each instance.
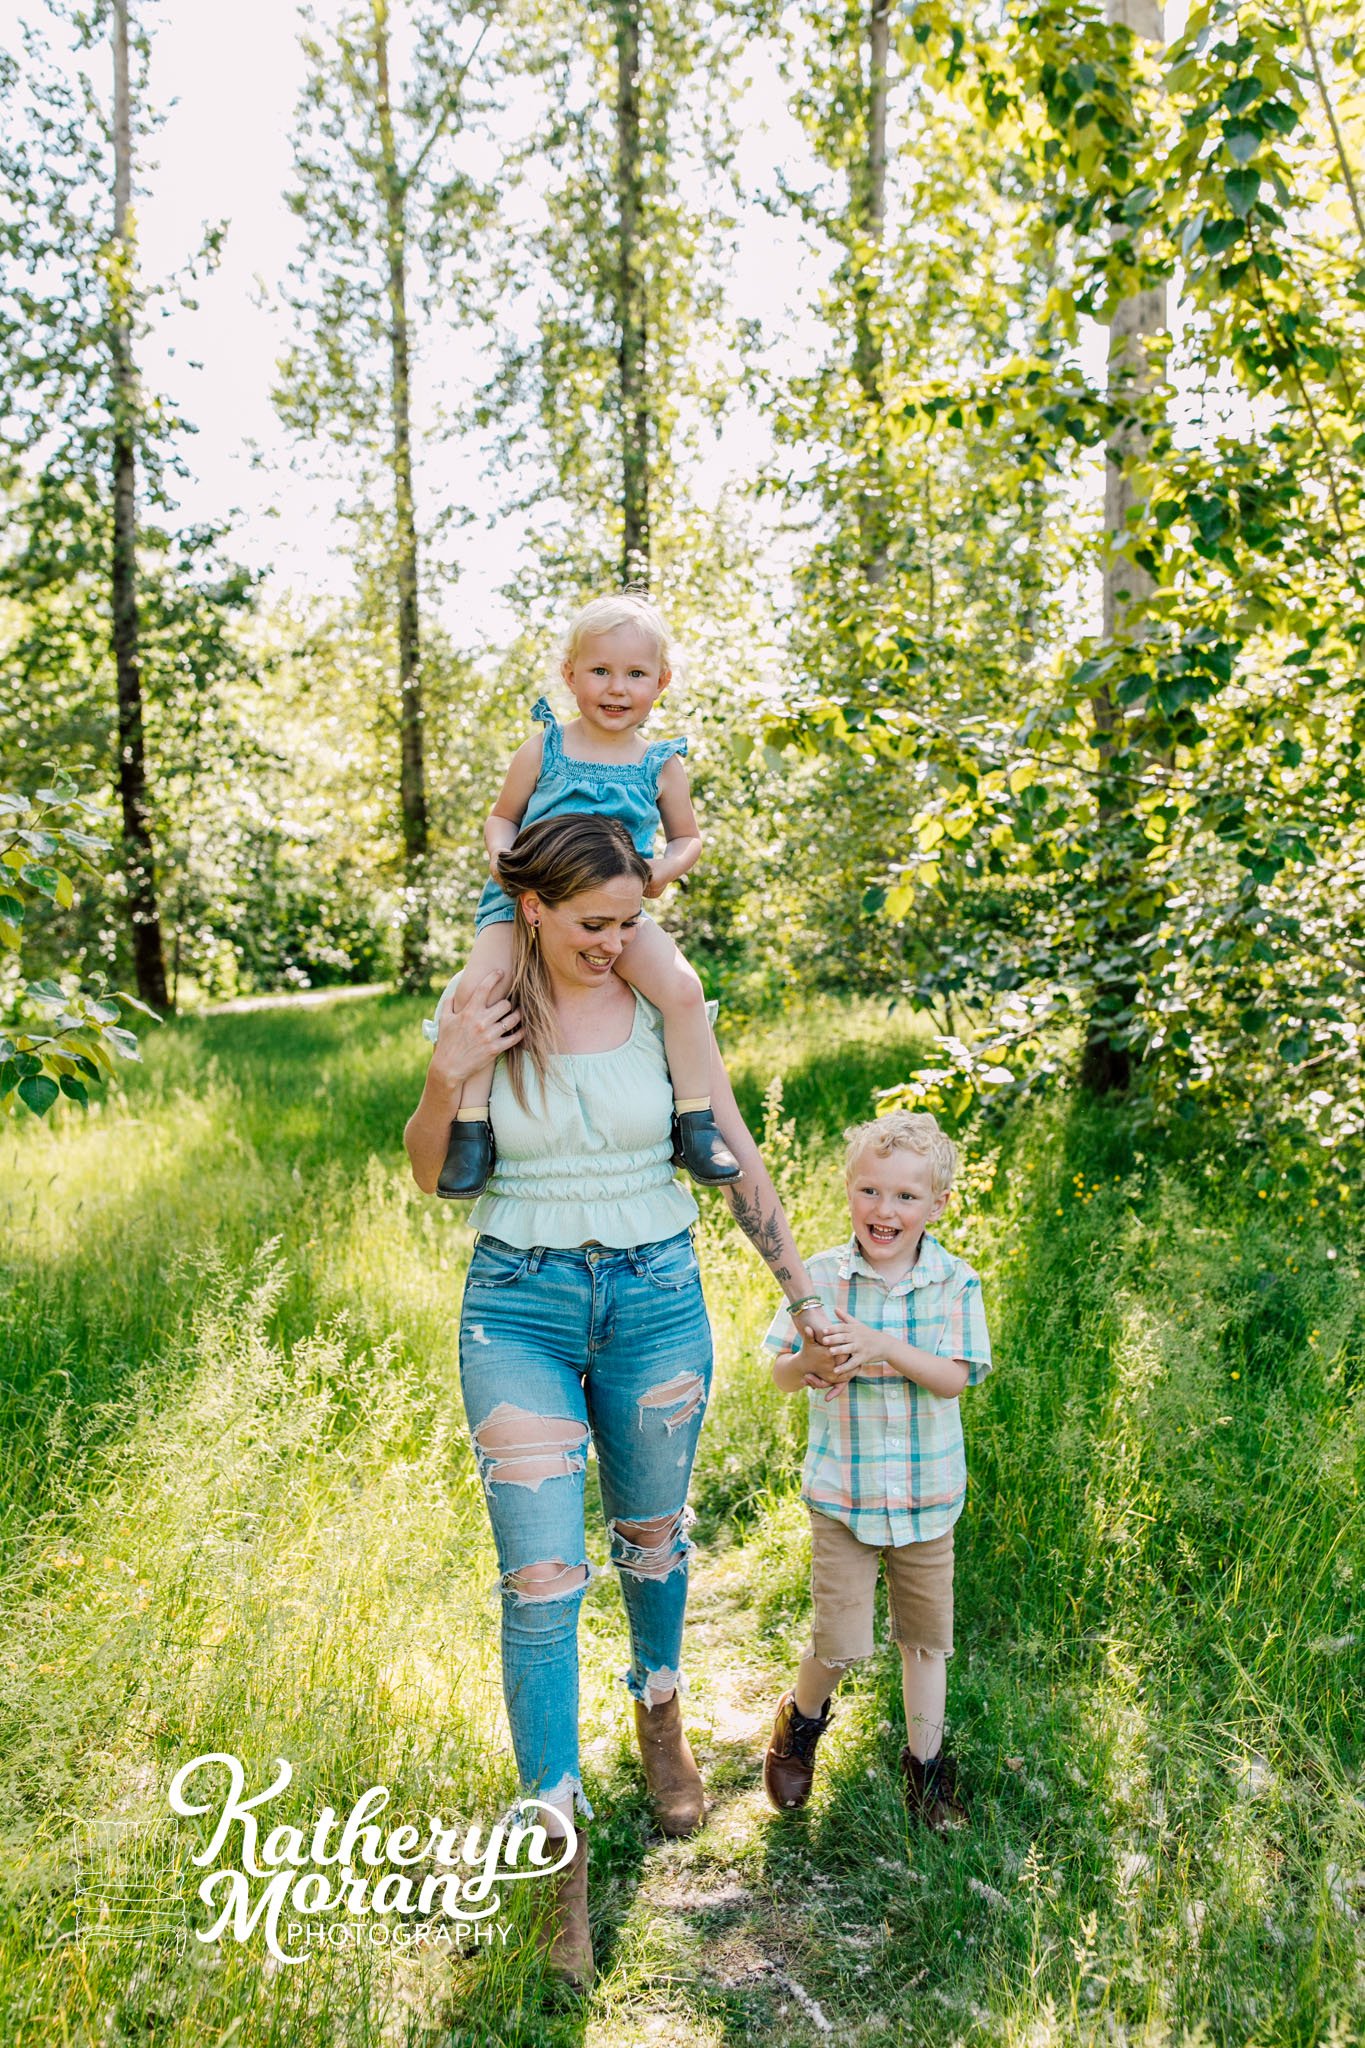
(891, 1201)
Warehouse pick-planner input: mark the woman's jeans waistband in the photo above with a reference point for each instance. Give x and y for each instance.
(559, 1347)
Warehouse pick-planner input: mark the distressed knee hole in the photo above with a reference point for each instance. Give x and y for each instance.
(653, 1548)
(519, 1448)
(551, 1579)
(681, 1398)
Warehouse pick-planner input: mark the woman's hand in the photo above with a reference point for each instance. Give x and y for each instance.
(471, 1030)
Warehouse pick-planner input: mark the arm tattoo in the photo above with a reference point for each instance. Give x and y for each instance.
(765, 1231)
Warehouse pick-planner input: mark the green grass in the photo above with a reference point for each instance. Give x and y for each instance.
(240, 1514)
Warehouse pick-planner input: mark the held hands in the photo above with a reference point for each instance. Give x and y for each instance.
(854, 1345)
(657, 883)
(822, 1371)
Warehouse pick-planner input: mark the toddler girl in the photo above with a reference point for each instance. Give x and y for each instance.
(616, 668)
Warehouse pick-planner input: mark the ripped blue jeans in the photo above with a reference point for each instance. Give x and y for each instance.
(556, 1348)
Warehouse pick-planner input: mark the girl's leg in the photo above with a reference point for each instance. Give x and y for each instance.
(523, 1337)
(491, 953)
(652, 964)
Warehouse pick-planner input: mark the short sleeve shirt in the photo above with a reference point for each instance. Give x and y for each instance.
(886, 1456)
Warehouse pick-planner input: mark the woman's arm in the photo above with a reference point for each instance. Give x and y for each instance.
(470, 1033)
(755, 1205)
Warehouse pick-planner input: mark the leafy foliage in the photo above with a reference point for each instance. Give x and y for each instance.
(57, 1037)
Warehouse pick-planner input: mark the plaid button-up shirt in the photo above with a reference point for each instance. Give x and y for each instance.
(885, 1456)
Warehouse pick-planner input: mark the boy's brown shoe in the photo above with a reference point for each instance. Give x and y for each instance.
(931, 1795)
(789, 1766)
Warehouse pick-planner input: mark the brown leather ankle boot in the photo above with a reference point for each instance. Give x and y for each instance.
(565, 1936)
(675, 1787)
(932, 1794)
(789, 1766)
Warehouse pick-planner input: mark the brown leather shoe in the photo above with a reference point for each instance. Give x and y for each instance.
(564, 1936)
(931, 1795)
(675, 1788)
(789, 1766)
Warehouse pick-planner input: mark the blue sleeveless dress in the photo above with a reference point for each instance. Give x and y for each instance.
(628, 790)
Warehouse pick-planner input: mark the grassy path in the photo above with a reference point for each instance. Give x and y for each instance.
(239, 1514)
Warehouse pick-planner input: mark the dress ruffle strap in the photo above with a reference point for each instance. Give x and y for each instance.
(662, 750)
(543, 712)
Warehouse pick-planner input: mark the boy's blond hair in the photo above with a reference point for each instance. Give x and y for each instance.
(905, 1130)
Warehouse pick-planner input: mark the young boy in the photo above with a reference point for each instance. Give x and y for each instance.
(885, 1475)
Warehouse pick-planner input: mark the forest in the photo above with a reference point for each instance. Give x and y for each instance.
(979, 392)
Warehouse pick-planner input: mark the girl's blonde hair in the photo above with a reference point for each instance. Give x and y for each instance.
(605, 614)
(905, 1130)
(556, 859)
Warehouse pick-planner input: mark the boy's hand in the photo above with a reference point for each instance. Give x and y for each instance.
(854, 1345)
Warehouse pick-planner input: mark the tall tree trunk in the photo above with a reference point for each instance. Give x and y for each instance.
(868, 196)
(149, 964)
(632, 319)
(1105, 1066)
(412, 777)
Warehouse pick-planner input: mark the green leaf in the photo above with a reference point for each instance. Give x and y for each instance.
(1242, 139)
(123, 1041)
(1241, 188)
(11, 909)
(44, 880)
(38, 1092)
(136, 1002)
(75, 1089)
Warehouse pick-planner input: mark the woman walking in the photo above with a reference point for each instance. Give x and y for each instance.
(583, 1316)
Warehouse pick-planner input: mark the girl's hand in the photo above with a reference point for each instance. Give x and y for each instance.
(471, 1031)
(654, 886)
(854, 1344)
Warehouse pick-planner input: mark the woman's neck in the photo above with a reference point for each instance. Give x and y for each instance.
(587, 1013)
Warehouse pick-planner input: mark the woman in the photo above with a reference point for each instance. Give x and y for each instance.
(583, 1314)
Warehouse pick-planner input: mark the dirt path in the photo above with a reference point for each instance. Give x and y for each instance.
(707, 1902)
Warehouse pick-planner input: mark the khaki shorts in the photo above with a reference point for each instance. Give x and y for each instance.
(843, 1584)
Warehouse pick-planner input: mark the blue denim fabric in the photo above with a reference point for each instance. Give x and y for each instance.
(557, 1347)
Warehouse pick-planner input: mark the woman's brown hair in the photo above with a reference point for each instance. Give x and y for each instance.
(556, 859)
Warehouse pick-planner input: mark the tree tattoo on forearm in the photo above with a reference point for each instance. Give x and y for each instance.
(765, 1232)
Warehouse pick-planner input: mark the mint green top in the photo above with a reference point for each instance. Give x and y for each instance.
(593, 1158)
